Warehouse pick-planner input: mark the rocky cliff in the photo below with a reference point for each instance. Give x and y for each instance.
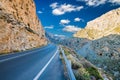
(104, 25)
(20, 28)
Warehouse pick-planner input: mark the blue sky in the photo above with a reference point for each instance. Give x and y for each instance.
(65, 17)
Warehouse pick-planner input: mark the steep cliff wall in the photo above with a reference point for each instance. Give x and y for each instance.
(20, 28)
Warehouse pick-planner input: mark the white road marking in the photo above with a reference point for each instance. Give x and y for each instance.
(19, 56)
(43, 69)
(21, 51)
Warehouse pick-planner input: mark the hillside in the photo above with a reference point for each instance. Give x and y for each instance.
(83, 69)
(104, 53)
(104, 25)
(20, 28)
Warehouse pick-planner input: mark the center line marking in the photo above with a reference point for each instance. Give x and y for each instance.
(43, 69)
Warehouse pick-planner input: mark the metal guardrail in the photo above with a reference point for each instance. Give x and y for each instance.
(68, 65)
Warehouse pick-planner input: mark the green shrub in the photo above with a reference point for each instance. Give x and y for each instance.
(94, 72)
(82, 74)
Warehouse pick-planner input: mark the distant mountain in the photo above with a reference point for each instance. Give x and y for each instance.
(74, 43)
(20, 28)
(104, 25)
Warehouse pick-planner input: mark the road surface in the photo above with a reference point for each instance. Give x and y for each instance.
(36, 64)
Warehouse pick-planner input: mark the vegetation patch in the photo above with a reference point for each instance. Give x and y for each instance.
(93, 71)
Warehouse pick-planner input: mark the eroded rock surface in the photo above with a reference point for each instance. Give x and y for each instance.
(20, 28)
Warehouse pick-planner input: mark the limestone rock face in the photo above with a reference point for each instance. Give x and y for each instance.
(104, 25)
(20, 28)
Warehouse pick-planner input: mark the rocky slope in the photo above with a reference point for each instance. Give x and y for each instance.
(104, 25)
(82, 68)
(104, 53)
(20, 28)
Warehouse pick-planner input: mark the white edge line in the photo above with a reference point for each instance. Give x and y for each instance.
(43, 69)
(26, 53)
(12, 53)
(17, 56)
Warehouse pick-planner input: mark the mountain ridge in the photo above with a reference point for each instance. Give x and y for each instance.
(108, 23)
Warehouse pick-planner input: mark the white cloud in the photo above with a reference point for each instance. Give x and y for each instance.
(49, 27)
(64, 21)
(71, 28)
(99, 2)
(54, 5)
(115, 1)
(58, 12)
(77, 19)
(40, 12)
(94, 2)
(59, 35)
(64, 8)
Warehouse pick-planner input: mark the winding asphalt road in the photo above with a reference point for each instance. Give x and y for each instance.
(36, 64)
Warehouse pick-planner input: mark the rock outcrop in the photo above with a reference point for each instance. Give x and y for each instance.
(20, 28)
(104, 25)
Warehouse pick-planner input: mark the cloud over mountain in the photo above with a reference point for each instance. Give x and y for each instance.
(71, 28)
